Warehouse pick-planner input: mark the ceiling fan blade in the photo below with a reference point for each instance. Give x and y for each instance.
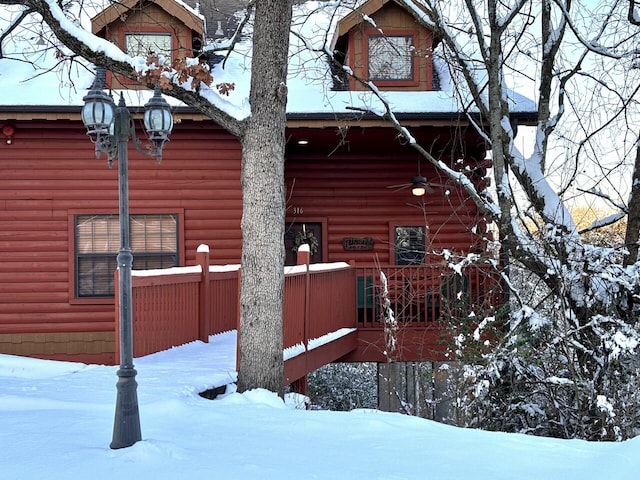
(400, 186)
(438, 185)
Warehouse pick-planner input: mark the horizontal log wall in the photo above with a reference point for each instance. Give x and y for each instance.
(49, 173)
(352, 195)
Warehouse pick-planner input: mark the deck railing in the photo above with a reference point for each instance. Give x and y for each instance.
(174, 306)
(422, 295)
(179, 305)
(156, 300)
(182, 304)
(318, 299)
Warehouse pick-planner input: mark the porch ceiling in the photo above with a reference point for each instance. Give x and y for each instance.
(381, 141)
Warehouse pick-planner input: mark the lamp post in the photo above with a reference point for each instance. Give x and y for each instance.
(110, 128)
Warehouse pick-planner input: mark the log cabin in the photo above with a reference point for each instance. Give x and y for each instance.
(356, 191)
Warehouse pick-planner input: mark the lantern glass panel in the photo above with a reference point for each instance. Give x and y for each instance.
(97, 114)
(158, 120)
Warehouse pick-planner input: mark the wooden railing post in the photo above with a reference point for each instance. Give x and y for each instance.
(304, 258)
(352, 264)
(204, 320)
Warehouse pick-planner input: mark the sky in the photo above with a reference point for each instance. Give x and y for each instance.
(57, 423)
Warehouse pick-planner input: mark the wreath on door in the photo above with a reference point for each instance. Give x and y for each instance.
(303, 236)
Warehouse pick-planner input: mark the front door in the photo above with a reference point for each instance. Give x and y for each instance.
(296, 234)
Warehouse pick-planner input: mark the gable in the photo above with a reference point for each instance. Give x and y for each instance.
(382, 42)
(166, 27)
(356, 17)
(121, 10)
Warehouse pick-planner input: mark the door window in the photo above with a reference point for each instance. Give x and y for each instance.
(409, 245)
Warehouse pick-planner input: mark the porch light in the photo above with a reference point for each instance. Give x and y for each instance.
(419, 186)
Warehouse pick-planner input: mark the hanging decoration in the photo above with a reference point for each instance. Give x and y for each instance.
(304, 236)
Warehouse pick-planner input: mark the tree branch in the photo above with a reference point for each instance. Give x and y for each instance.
(104, 54)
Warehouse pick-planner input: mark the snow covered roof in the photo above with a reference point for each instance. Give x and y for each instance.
(39, 81)
(187, 15)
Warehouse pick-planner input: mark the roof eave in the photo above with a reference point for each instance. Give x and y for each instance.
(9, 112)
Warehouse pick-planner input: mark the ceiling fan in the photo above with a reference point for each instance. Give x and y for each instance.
(419, 186)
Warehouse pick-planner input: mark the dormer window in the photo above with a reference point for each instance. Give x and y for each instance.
(390, 57)
(144, 43)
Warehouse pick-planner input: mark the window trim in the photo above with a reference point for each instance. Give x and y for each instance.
(71, 215)
(392, 33)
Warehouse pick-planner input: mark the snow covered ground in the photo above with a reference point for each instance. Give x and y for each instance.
(56, 421)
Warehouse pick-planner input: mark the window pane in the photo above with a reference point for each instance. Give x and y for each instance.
(144, 43)
(97, 234)
(154, 242)
(95, 276)
(153, 233)
(149, 262)
(390, 57)
(409, 245)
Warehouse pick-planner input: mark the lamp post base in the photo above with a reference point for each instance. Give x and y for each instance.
(126, 426)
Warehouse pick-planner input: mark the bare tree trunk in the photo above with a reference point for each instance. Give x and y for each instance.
(389, 386)
(633, 217)
(261, 291)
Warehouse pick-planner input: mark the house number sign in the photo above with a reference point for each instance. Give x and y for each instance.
(357, 243)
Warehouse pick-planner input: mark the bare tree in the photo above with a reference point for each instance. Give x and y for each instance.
(581, 60)
(595, 299)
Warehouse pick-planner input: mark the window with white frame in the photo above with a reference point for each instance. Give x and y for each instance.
(153, 239)
(390, 57)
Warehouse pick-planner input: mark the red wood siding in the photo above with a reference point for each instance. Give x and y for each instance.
(50, 172)
(348, 191)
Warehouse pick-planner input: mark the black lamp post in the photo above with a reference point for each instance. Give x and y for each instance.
(110, 128)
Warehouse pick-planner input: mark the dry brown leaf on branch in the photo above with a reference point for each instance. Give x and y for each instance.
(225, 88)
(181, 71)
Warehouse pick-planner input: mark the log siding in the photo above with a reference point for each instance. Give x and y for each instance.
(50, 173)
